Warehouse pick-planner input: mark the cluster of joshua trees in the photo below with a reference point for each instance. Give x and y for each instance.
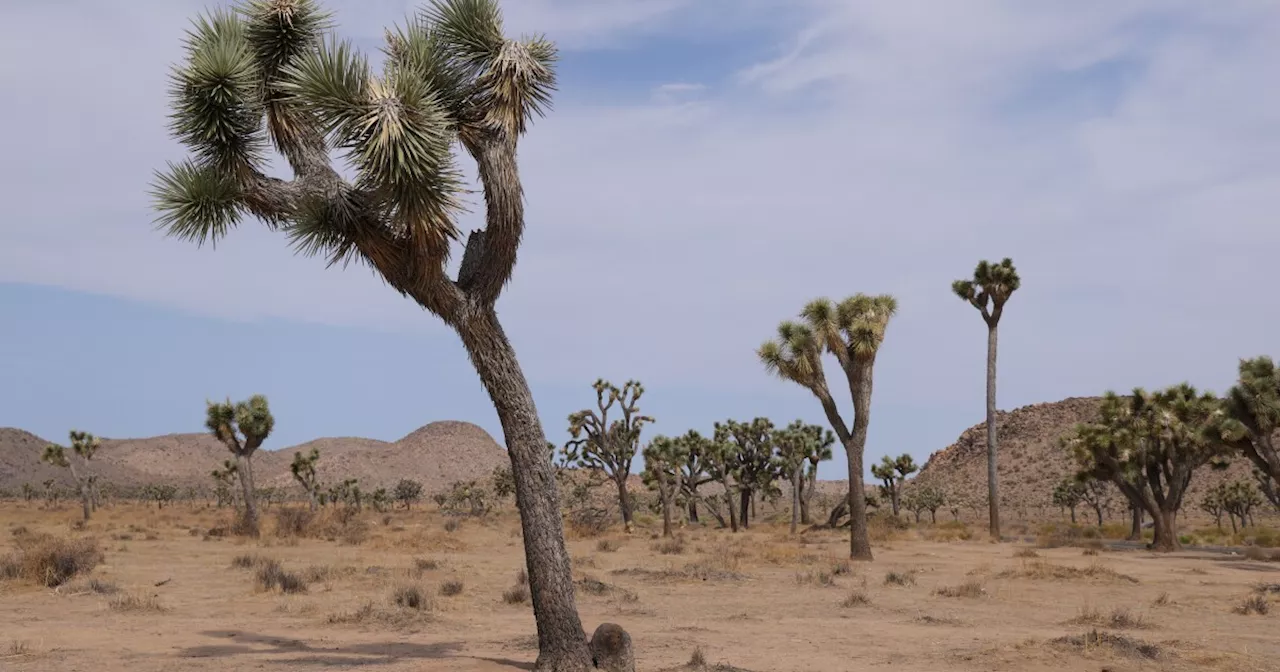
(264, 74)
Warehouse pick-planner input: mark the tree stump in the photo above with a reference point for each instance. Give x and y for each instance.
(611, 649)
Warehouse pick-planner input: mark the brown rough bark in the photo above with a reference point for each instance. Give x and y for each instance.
(244, 469)
(993, 494)
(562, 643)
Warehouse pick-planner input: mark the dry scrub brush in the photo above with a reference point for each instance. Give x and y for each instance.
(50, 561)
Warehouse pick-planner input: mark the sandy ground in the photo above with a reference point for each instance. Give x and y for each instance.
(758, 601)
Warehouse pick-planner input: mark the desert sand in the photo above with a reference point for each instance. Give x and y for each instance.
(758, 600)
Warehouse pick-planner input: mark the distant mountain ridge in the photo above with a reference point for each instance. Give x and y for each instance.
(436, 455)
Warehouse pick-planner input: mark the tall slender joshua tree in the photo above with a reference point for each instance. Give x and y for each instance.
(988, 291)
(242, 427)
(264, 73)
(608, 446)
(303, 469)
(852, 331)
(83, 446)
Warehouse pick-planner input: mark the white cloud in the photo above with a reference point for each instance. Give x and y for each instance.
(882, 147)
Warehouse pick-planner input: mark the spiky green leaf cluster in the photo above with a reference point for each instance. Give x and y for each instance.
(599, 443)
(852, 330)
(450, 74)
(800, 442)
(990, 287)
(241, 426)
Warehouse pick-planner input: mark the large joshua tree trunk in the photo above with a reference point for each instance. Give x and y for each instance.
(244, 469)
(859, 542)
(624, 499)
(562, 643)
(993, 495)
(81, 486)
(693, 510)
(796, 479)
(1135, 528)
(744, 515)
(810, 485)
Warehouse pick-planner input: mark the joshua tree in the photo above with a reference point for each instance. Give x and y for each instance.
(264, 72)
(161, 494)
(852, 331)
(754, 469)
(242, 427)
(1095, 494)
(1252, 408)
(503, 484)
(1149, 445)
(988, 291)
(346, 493)
(379, 500)
(663, 462)
(1214, 503)
(83, 446)
(28, 492)
(893, 472)
(222, 480)
(608, 446)
(1067, 495)
(303, 469)
(1239, 500)
(693, 473)
(407, 492)
(721, 459)
(801, 444)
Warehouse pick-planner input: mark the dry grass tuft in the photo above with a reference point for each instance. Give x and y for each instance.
(272, 576)
(133, 603)
(698, 659)
(1026, 553)
(516, 595)
(251, 561)
(818, 578)
(1042, 570)
(1162, 600)
(970, 589)
(50, 561)
(522, 578)
(412, 596)
(425, 564)
(900, 578)
(451, 587)
(672, 546)
(1254, 604)
(1118, 643)
(607, 546)
(857, 598)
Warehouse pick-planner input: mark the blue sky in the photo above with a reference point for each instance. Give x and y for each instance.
(709, 166)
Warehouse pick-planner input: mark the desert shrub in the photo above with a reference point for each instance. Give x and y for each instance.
(516, 595)
(522, 578)
(1089, 551)
(673, 546)
(607, 546)
(698, 659)
(970, 589)
(353, 533)
(272, 576)
(50, 561)
(857, 598)
(1254, 604)
(101, 587)
(1026, 553)
(1162, 600)
(425, 564)
(411, 597)
(250, 560)
(451, 525)
(841, 568)
(451, 587)
(1122, 618)
(819, 578)
(900, 578)
(294, 522)
(135, 603)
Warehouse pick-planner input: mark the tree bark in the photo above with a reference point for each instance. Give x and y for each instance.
(1166, 532)
(993, 495)
(744, 518)
(1135, 530)
(562, 643)
(693, 509)
(859, 542)
(624, 500)
(666, 516)
(730, 505)
(1098, 510)
(244, 469)
(796, 477)
(1073, 515)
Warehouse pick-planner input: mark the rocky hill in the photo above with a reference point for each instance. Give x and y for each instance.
(1031, 460)
(435, 455)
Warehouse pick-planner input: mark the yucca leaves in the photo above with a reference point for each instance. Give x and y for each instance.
(241, 426)
(990, 288)
(217, 102)
(852, 330)
(196, 203)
